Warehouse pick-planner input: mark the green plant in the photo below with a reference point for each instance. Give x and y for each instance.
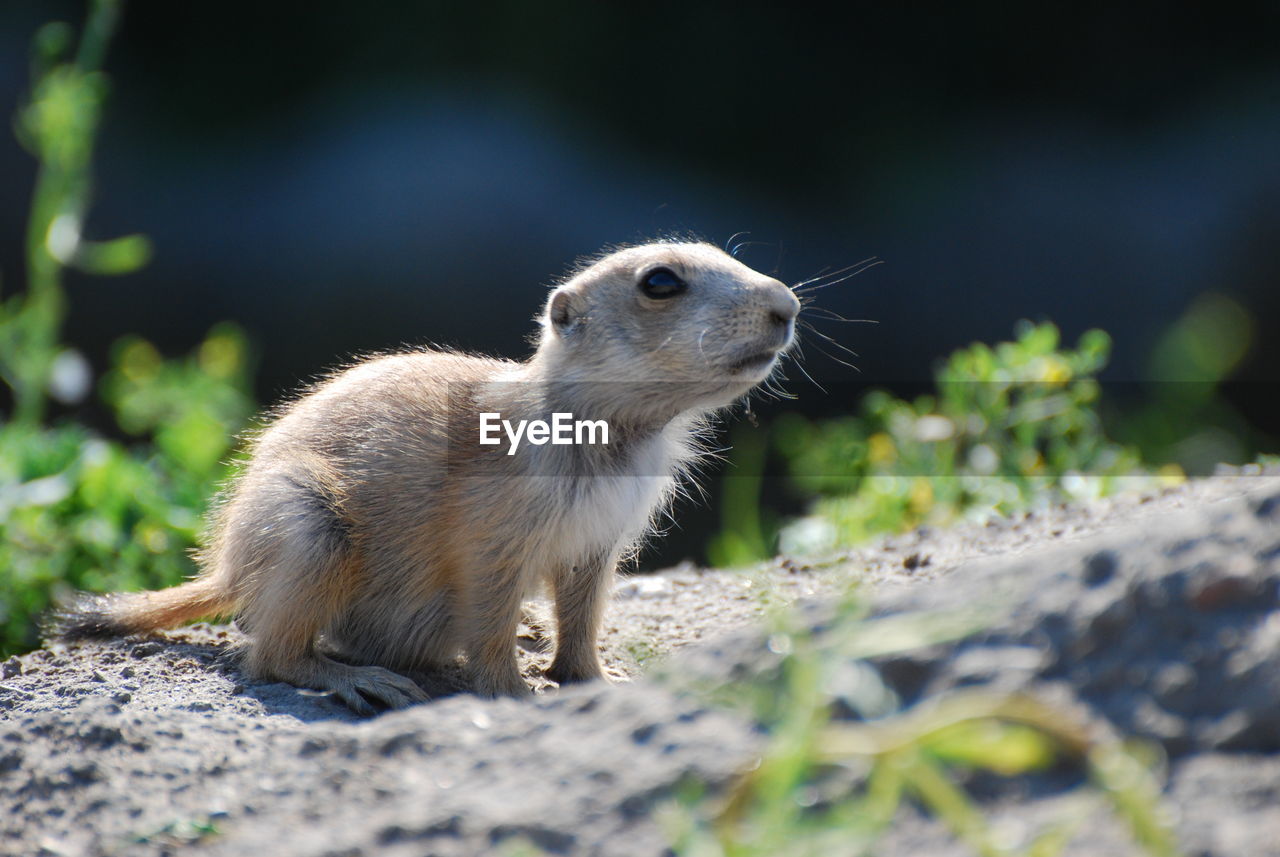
(180, 833)
(82, 512)
(59, 125)
(827, 784)
(747, 532)
(642, 652)
(1008, 426)
(79, 511)
(1184, 416)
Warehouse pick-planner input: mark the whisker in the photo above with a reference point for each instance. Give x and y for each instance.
(838, 360)
(841, 276)
(827, 272)
(837, 344)
(742, 244)
(663, 344)
(835, 316)
(773, 386)
(732, 238)
(819, 276)
(862, 267)
(805, 372)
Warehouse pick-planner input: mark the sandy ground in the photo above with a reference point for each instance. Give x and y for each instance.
(1155, 613)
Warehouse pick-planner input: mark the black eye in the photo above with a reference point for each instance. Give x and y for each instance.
(662, 283)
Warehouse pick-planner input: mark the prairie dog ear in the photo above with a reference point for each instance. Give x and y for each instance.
(563, 311)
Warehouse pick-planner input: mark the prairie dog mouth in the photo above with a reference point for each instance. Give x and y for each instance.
(754, 362)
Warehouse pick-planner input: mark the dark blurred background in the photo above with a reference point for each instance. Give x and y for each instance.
(342, 177)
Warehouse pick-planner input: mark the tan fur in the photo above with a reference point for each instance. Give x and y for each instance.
(370, 523)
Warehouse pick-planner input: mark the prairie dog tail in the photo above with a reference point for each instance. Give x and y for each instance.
(126, 613)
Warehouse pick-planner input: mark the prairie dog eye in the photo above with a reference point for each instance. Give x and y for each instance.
(662, 283)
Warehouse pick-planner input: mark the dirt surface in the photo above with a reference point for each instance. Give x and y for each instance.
(1155, 614)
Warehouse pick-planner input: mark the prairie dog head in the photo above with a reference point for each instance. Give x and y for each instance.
(676, 326)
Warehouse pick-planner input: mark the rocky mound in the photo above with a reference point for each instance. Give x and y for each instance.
(1155, 614)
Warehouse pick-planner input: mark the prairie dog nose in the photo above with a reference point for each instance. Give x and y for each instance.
(783, 304)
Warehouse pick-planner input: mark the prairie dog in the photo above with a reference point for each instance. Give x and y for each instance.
(371, 531)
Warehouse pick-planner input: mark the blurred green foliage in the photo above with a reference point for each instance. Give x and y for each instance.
(1184, 417)
(844, 757)
(58, 125)
(79, 511)
(1008, 426)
